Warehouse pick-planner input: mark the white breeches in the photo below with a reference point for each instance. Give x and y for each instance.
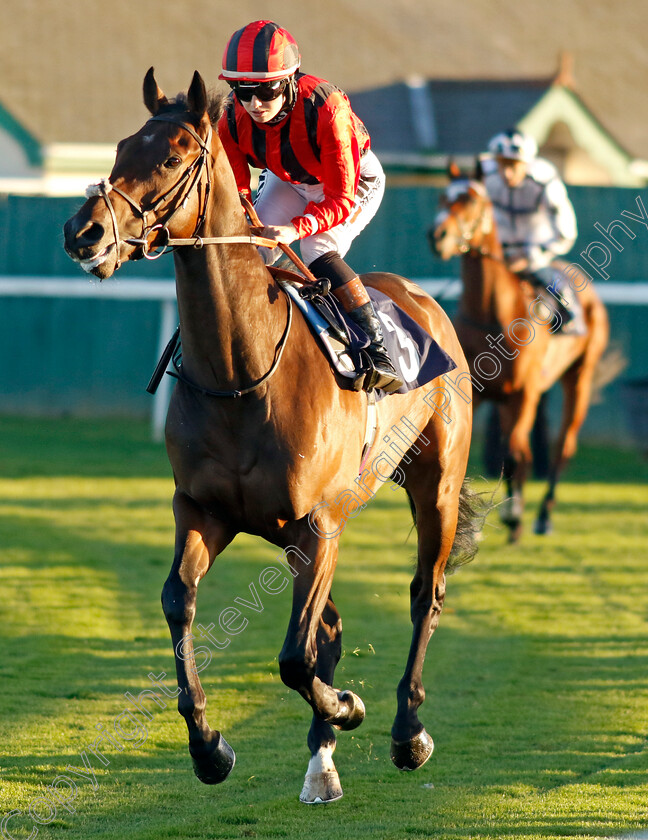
(277, 202)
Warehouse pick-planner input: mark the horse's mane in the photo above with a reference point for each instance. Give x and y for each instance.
(215, 105)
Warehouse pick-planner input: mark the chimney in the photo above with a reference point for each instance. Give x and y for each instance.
(565, 74)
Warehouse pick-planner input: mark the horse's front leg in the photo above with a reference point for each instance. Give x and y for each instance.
(436, 523)
(199, 538)
(322, 783)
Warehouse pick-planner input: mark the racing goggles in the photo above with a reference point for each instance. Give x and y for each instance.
(265, 91)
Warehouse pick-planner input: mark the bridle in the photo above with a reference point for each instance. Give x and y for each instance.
(190, 178)
(468, 231)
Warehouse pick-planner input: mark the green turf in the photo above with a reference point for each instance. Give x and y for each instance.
(537, 686)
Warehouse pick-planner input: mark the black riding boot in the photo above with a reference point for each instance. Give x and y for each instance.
(352, 295)
(384, 376)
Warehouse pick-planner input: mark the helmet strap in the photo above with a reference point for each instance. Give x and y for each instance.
(290, 98)
(290, 93)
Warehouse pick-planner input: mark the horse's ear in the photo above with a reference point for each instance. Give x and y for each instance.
(154, 99)
(453, 170)
(197, 94)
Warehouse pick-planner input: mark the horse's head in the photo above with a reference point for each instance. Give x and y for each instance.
(464, 220)
(157, 188)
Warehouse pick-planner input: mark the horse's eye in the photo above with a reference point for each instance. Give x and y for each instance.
(172, 162)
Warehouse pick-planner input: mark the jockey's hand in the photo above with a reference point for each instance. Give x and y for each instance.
(281, 233)
(519, 265)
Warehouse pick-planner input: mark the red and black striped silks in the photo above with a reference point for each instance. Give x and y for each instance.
(261, 50)
(320, 140)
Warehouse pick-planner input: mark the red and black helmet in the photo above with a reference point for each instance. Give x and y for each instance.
(261, 51)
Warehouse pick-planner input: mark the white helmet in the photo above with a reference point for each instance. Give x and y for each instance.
(514, 145)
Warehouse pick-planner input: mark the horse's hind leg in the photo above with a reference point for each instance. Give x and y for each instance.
(435, 501)
(322, 783)
(314, 629)
(199, 538)
(517, 416)
(577, 387)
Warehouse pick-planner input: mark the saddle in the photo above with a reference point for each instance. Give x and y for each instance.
(416, 355)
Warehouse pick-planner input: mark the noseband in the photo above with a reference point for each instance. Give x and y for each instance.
(467, 232)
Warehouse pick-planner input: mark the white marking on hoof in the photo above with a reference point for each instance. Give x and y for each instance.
(510, 510)
(322, 783)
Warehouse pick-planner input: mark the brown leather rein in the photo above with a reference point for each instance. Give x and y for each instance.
(104, 188)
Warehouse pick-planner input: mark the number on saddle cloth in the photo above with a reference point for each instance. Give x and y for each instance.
(415, 354)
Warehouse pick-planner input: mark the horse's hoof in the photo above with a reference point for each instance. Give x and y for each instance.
(354, 714)
(515, 535)
(543, 526)
(212, 760)
(510, 512)
(321, 788)
(410, 755)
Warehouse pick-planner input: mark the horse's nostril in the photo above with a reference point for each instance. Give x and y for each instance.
(91, 233)
(79, 235)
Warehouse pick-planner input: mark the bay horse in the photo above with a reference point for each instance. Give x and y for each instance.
(260, 435)
(510, 340)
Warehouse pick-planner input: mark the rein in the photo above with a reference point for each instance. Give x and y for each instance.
(104, 188)
(288, 251)
(483, 254)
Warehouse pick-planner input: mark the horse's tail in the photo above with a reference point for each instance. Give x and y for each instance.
(609, 366)
(473, 510)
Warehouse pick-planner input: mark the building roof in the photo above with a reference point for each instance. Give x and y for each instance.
(454, 117)
(421, 123)
(72, 72)
(27, 143)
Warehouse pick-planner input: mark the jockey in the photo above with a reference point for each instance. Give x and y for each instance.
(320, 182)
(534, 216)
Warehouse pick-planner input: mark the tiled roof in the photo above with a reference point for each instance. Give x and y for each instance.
(461, 115)
(72, 72)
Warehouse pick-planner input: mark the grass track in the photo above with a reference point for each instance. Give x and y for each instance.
(537, 679)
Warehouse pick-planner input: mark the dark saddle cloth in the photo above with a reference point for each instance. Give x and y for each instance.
(415, 354)
(559, 296)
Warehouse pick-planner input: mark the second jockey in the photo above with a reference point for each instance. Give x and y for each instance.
(535, 218)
